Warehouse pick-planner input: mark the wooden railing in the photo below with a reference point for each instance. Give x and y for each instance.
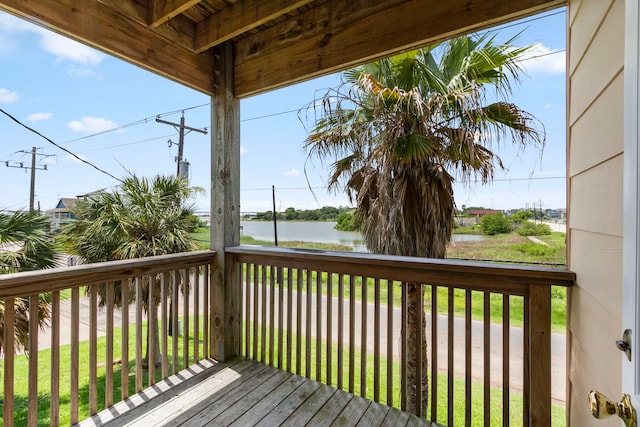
(340, 318)
(86, 378)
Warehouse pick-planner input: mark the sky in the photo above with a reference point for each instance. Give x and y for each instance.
(103, 111)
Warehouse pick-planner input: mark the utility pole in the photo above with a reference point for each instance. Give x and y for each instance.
(181, 128)
(33, 168)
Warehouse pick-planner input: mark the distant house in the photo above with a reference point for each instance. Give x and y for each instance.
(61, 214)
(479, 213)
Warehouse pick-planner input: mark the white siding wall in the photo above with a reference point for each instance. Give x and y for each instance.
(595, 152)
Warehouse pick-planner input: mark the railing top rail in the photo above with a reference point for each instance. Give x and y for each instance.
(467, 274)
(31, 282)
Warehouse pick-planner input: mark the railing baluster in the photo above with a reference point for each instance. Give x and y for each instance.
(390, 342)
(33, 360)
(152, 328)
(263, 332)
(308, 311)
(175, 331)
(139, 337)
(196, 314)
(526, 361)
(212, 302)
(376, 341)
(247, 310)
(280, 282)
(93, 349)
(434, 353)
(299, 323)
(205, 311)
(185, 318)
(54, 404)
(487, 359)
(108, 381)
(403, 348)
(329, 327)
(164, 324)
(75, 351)
(271, 302)
(505, 360)
(467, 358)
(124, 370)
(340, 329)
(419, 344)
(363, 338)
(289, 316)
(352, 332)
(537, 330)
(9, 352)
(255, 317)
(319, 326)
(450, 334)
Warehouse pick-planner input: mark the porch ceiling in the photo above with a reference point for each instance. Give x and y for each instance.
(276, 42)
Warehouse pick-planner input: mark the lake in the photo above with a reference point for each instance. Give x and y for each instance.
(318, 231)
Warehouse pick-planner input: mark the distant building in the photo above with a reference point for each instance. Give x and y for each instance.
(61, 214)
(479, 213)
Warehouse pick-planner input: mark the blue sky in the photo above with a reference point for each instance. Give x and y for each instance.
(104, 110)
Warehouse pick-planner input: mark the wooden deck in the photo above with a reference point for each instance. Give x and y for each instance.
(246, 393)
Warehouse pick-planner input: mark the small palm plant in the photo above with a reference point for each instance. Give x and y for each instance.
(25, 245)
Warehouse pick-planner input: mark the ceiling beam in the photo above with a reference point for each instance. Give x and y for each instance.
(100, 26)
(160, 11)
(319, 41)
(240, 17)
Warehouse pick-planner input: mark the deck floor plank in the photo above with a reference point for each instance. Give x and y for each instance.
(248, 393)
(233, 403)
(330, 410)
(302, 413)
(295, 385)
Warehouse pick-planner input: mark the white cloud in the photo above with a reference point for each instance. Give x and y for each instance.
(39, 116)
(542, 59)
(73, 159)
(7, 97)
(91, 125)
(67, 49)
(243, 150)
(293, 172)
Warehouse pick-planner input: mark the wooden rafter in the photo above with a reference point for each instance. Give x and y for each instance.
(239, 18)
(160, 11)
(327, 39)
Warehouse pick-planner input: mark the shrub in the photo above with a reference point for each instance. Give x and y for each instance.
(495, 223)
(531, 229)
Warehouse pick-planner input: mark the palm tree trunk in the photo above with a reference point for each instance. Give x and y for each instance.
(413, 329)
(157, 354)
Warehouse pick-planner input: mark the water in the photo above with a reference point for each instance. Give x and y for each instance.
(318, 231)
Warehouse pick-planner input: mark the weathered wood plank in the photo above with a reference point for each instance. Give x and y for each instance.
(260, 401)
(329, 412)
(160, 11)
(298, 408)
(395, 418)
(373, 415)
(352, 412)
(336, 35)
(240, 17)
(225, 207)
(224, 400)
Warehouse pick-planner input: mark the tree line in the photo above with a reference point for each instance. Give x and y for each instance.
(325, 213)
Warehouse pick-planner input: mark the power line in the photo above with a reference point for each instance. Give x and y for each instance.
(58, 146)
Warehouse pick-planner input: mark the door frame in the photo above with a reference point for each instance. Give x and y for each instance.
(631, 208)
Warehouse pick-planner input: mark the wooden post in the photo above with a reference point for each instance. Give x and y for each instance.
(225, 204)
(540, 346)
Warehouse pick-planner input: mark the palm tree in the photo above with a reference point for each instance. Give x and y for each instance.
(25, 245)
(145, 217)
(397, 133)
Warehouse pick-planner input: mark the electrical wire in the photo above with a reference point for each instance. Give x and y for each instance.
(58, 146)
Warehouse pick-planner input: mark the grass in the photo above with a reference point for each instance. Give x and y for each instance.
(478, 405)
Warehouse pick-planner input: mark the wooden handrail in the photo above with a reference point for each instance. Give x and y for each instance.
(56, 279)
